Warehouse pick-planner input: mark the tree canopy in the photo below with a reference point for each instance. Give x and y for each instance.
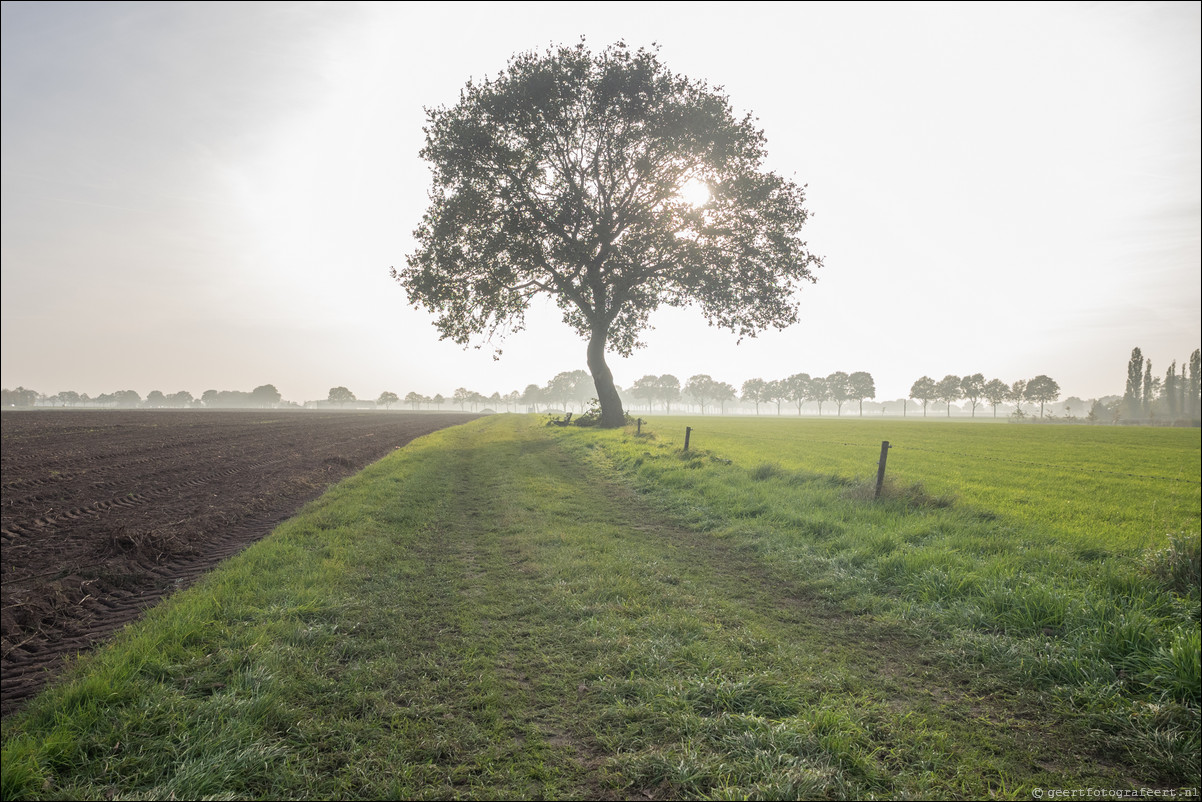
(612, 185)
(925, 389)
(1042, 389)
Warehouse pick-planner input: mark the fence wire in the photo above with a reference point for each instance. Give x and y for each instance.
(875, 445)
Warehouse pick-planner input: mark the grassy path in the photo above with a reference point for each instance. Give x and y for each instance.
(485, 615)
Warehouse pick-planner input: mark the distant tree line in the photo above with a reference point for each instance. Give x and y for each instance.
(976, 391)
(1148, 398)
(263, 396)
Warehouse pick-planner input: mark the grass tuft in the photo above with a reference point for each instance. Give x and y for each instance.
(1178, 565)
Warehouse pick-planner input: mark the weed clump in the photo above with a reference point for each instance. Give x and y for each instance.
(913, 495)
(1176, 566)
(765, 470)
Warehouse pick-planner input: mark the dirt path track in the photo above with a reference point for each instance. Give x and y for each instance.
(106, 512)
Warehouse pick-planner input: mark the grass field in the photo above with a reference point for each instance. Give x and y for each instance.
(509, 610)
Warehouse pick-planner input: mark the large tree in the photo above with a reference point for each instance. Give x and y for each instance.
(266, 395)
(948, 390)
(1043, 389)
(819, 391)
(1135, 383)
(754, 390)
(1018, 391)
(612, 185)
(777, 392)
(646, 389)
(669, 390)
(1193, 396)
(700, 389)
(340, 396)
(996, 391)
(973, 387)
(839, 387)
(799, 387)
(862, 386)
(924, 390)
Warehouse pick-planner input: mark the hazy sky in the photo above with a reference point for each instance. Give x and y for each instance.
(210, 195)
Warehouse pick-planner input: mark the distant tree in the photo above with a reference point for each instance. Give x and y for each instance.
(924, 390)
(414, 399)
(861, 386)
(495, 400)
(646, 389)
(438, 400)
(341, 395)
(669, 390)
(387, 399)
(266, 395)
(20, 397)
(532, 396)
(973, 388)
(839, 387)
(1135, 384)
(948, 390)
(1044, 390)
(819, 392)
(181, 399)
(1151, 385)
(1193, 387)
(155, 398)
(1170, 392)
(701, 388)
(1018, 392)
(995, 392)
(461, 396)
(209, 398)
(723, 393)
(127, 398)
(567, 387)
(777, 392)
(799, 389)
(69, 398)
(511, 400)
(564, 176)
(476, 400)
(753, 391)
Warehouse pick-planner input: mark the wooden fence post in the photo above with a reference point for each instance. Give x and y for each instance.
(880, 471)
(687, 431)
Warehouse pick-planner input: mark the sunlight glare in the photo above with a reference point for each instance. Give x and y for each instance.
(695, 192)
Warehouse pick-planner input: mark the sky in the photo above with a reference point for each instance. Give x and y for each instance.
(210, 195)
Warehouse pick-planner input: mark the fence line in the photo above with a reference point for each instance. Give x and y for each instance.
(875, 444)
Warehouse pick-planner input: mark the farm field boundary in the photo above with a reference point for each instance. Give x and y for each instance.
(105, 512)
(1118, 488)
(504, 610)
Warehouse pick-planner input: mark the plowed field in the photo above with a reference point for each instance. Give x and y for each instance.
(106, 512)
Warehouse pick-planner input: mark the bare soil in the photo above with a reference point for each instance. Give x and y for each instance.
(104, 513)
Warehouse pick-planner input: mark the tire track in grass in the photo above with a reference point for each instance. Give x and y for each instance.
(497, 680)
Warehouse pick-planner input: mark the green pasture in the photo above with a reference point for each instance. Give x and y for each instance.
(1121, 489)
(508, 609)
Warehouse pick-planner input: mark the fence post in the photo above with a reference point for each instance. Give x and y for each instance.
(880, 471)
(640, 424)
(687, 431)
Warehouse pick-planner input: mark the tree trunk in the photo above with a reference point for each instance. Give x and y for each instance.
(612, 414)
